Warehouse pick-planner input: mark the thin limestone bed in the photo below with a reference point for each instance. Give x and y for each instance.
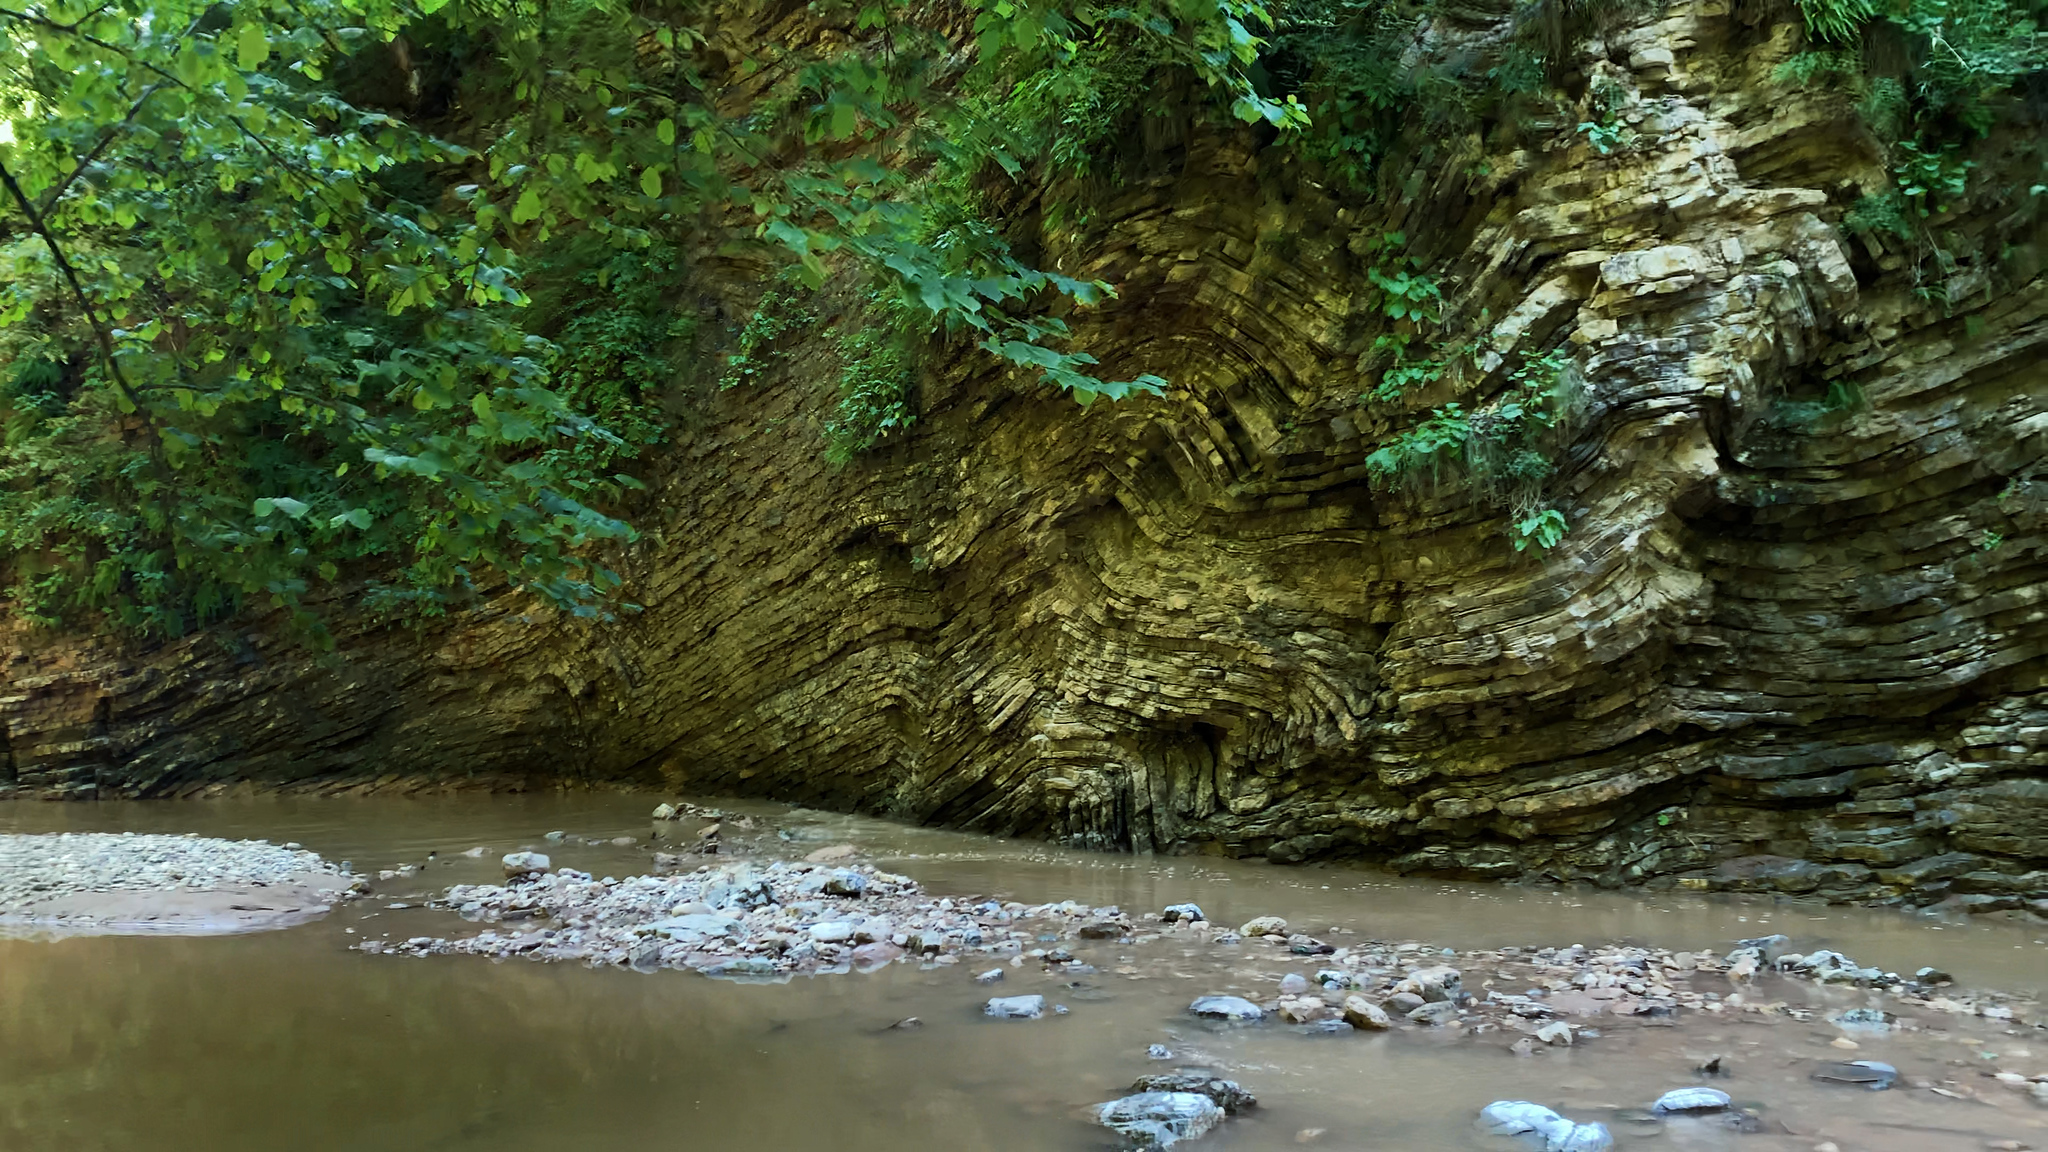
(105, 882)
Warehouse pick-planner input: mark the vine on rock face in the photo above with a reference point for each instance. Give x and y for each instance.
(1502, 449)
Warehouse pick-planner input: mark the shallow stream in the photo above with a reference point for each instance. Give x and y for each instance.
(290, 1040)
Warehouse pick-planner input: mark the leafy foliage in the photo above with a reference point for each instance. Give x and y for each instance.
(1502, 449)
(265, 314)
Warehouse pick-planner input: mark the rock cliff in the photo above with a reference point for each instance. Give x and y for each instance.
(1785, 645)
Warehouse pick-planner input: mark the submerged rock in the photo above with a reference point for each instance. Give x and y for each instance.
(1178, 912)
(1875, 1075)
(1544, 1128)
(1691, 1100)
(1015, 1007)
(1154, 1120)
(1227, 1008)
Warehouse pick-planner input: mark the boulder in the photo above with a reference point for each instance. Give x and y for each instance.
(1156, 1120)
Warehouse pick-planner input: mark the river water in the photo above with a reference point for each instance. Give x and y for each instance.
(290, 1040)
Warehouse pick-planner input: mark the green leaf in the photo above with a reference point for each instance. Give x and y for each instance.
(251, 48)
(528, 207)
(665, 131)
(650, 181)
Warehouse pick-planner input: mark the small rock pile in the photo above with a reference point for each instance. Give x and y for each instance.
(1541, 992)
(746, 920)
(43, 867)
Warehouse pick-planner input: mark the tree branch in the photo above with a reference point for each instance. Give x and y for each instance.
(64, 185)
(92, 319)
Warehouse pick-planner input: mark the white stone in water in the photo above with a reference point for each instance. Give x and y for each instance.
(1293, 984)
(522, 864)
(1691, 1100)
(1515, 1117)
(1015, 1007)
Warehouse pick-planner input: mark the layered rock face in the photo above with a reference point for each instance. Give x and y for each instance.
(1785, 645)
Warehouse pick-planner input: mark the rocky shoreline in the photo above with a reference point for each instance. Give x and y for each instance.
(80, 882)
(772, 920)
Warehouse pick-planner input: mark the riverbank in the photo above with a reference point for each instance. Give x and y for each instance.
(81, 883)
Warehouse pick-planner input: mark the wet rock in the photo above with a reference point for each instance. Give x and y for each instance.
(1402, 1003)
(1293, 984)
(743, 966)
(1439, 1013)
(1104, 930)
(1691, 1100)
(876, 954)
(695, 926)
(1872, 1074)
(665, 812)
(1228, 1094)
(1306, 1010)
(1933, 976)
(1557, 1032)
(1234, 1008)
(829, 854)
(1158, 1052)
(992, 976)
(845, 882)
(555, 837)
(1015, 1007)
(521, 865)
(833, 932)
(1365, 1015)
(1768, 947)
(1156, 1120)
(1263, 926)
(1543, 1127)
(1178, 912)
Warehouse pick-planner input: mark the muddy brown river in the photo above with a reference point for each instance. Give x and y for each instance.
(290, 1040)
